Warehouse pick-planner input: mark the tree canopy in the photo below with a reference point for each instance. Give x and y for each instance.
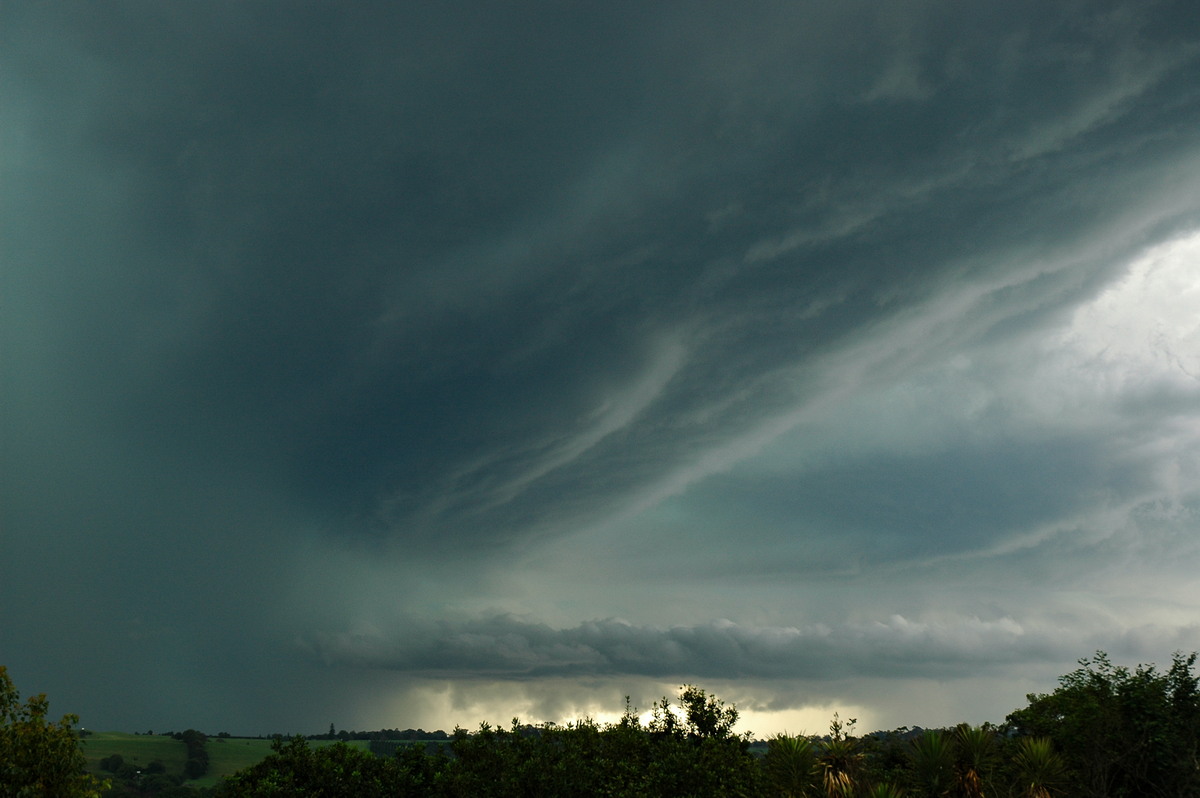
(1122, 731)
(39, 758)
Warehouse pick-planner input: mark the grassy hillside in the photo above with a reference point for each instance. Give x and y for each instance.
(139, 749)
(225, 755)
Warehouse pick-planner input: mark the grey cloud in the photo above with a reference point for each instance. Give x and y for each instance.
(506, 647)
(933, 502)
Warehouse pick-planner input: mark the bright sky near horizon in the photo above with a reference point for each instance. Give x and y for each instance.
(405, 365)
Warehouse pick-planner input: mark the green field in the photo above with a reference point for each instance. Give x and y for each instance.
(140, 749)
(226, 755)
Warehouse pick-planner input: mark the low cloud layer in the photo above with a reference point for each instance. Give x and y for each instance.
(507, 647)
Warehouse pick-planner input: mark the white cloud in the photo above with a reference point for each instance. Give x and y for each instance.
(1143, 331)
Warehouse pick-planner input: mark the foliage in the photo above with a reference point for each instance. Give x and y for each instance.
(884, 790)
(690, 752)
(336, 771)
(1122, 732)
(790, 766)
(974, 759)
(39, 757)
(887, 756)
(1040, 771)
(197, 756)
(840, 759)
(932, 760)
(707, 716)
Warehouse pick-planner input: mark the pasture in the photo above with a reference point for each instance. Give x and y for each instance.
(226, 755)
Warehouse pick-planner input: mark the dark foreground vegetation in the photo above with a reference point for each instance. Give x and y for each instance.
(1105, 732)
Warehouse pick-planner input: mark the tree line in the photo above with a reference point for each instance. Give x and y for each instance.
(1106, 731)
(381, 734)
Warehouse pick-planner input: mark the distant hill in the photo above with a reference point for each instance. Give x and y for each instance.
(226, 755)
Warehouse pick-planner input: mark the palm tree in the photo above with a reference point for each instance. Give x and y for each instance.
(1040, 769)
(839, 763)
(791, 765)
(974, 755)
(932, 758)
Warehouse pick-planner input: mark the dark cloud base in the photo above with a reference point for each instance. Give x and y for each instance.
(506, 647)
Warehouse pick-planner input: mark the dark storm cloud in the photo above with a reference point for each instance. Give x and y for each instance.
(892, 508)
(418, 269)
(511, 648)
(459, 281)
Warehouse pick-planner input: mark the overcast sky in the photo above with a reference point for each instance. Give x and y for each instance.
(418, 364)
